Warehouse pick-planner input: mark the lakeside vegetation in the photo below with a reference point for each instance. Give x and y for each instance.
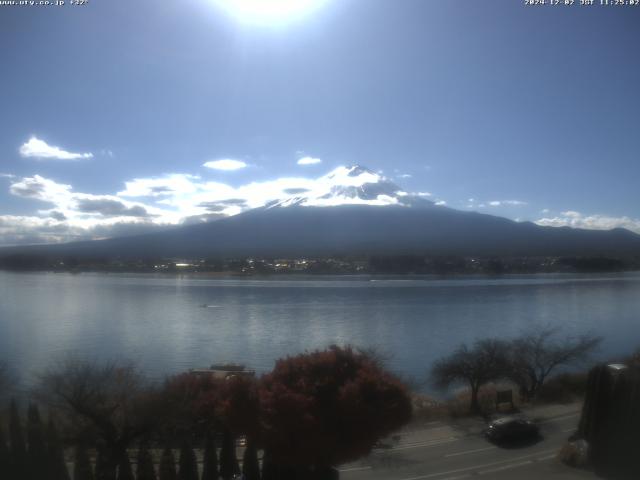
(525, 361)
(313, 412)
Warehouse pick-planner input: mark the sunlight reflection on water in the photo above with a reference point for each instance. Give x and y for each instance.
(160, 322)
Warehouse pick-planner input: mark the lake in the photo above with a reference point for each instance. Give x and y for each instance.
(168, 324)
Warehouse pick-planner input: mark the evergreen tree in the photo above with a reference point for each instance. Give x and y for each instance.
(228, 461)
(4, 454)
(168, 465)
(145, 469)
(188, 463)
(18, 449)
(250, 465)
(82, 467)
(269, 469)
(124, 468)
(37, 451)
(210, 460)
(55, 454)
(105, 470)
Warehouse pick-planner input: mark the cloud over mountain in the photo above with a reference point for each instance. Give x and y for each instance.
(177, 198)
(575, 219)
(110, 208)
(150, 203)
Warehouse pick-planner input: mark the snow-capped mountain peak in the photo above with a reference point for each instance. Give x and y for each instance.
(352, 185)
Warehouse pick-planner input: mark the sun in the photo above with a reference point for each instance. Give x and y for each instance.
(268, 11)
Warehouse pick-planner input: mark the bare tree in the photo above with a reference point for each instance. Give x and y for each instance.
(113, 404)
(534, 355)
(485, 362)
(6, 382)
(634, 359)
(3, 376)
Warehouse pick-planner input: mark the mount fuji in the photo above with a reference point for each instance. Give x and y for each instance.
(354, 211)
(353, 185)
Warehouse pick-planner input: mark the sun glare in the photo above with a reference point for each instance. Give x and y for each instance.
(268, 11)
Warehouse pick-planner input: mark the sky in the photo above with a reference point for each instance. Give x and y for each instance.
(118, 117)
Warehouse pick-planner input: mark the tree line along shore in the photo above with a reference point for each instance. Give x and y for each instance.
(313, 412)
(390, 265)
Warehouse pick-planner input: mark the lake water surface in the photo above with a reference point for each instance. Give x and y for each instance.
(168, 324)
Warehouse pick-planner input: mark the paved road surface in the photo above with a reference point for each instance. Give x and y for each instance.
(440, 451)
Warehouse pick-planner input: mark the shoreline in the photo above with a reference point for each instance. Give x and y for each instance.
(307, 276)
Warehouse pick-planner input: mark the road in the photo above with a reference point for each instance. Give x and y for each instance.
(454, 451)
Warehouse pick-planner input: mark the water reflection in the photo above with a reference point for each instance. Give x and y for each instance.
(160, 322)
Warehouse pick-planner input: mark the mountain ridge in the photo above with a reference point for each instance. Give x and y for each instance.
(355, 230)
(353, 185)
(353, 211)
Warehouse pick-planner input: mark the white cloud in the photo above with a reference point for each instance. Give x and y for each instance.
(172, 199)
(16, 230)
(78, 208)
(572, 214)
(189, 195)
(109, 207)
(441, 203)
(168, 185)
(78, 214)
(502, 203)
(7, 175)
(404, 175)
(36, 148)
(40, 188)
(309, 161)
(574, 219)
(225, 164)
(144, 204)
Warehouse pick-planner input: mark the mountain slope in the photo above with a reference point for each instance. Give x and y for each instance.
(354, 211)
(357, 230)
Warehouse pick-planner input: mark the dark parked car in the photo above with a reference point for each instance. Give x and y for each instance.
(512, 429)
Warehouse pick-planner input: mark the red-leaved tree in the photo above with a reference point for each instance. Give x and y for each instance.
(328, 407)
(238, 406)
(190, 405)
